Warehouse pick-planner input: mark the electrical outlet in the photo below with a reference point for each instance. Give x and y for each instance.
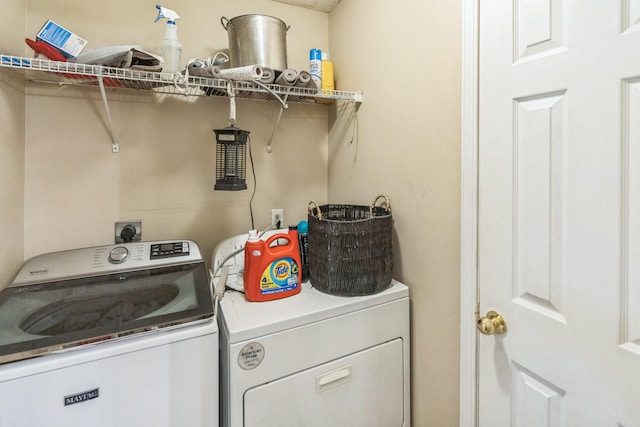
(277, 215)
(128, 231)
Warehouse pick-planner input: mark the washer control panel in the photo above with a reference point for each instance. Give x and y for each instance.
(165, 250)
(97, 260)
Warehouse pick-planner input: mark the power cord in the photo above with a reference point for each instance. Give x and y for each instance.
(255, 182)
(218, 290)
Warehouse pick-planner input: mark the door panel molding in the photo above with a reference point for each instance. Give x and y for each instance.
(536, 401)
(630, 294)
(469, 216)
(539, 29)
(630, 15)
(540, 140)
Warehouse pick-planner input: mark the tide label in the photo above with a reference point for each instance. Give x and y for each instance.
(279, 276)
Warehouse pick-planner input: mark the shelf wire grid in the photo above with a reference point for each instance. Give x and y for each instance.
(70, 73)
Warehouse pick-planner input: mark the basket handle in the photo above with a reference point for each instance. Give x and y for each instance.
(310, 209)
(386, 201)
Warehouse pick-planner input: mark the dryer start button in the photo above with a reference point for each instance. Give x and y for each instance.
(118, 255)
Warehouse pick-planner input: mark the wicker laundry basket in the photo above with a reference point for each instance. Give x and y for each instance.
(350, 248)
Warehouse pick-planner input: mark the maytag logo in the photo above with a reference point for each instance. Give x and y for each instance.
(38, 272)
(81, 397)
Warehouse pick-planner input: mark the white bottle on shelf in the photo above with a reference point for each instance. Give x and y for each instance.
(315, 66)
(171, 47)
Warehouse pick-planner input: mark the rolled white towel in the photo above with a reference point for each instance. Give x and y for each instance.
(287, 78)
(268, 75)
(305, 80)
(247, 72)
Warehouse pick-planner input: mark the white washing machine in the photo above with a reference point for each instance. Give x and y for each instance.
(110, 336)
(312, 359)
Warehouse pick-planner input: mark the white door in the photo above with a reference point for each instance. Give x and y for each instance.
(559, 212)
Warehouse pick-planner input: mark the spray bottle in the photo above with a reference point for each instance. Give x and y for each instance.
(315, 66)
(171, 47)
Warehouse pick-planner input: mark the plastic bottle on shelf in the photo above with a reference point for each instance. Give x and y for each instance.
(327, 73)
(171, 47)
(315, 66)
(327, 84)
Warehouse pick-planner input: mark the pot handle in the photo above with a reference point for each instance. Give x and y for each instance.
(225, 23)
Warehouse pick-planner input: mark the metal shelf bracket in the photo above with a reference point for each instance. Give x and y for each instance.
(115, 147)
(70, 73)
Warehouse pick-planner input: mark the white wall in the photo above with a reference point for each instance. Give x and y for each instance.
(11, 146)
(76, 188)
(405, 56)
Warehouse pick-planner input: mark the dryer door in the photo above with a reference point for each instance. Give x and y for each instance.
(363, 389)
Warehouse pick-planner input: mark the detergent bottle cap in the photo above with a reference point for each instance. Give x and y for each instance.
(253, 236)
(303, 227)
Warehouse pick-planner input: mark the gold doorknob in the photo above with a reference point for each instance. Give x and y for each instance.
(491, 324)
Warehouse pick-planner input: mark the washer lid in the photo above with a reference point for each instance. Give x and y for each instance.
(244, 320)
(46, 317)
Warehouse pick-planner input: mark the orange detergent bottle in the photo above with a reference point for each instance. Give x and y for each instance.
(271, 267)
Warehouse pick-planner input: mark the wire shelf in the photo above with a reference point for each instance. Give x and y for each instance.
(70, 73)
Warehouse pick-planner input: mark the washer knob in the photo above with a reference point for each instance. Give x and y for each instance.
(118, 255)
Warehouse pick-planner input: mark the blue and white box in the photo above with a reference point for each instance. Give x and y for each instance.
(64, 40)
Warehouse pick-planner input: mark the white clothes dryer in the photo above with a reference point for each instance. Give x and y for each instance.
(313, 359)
(110, 336)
